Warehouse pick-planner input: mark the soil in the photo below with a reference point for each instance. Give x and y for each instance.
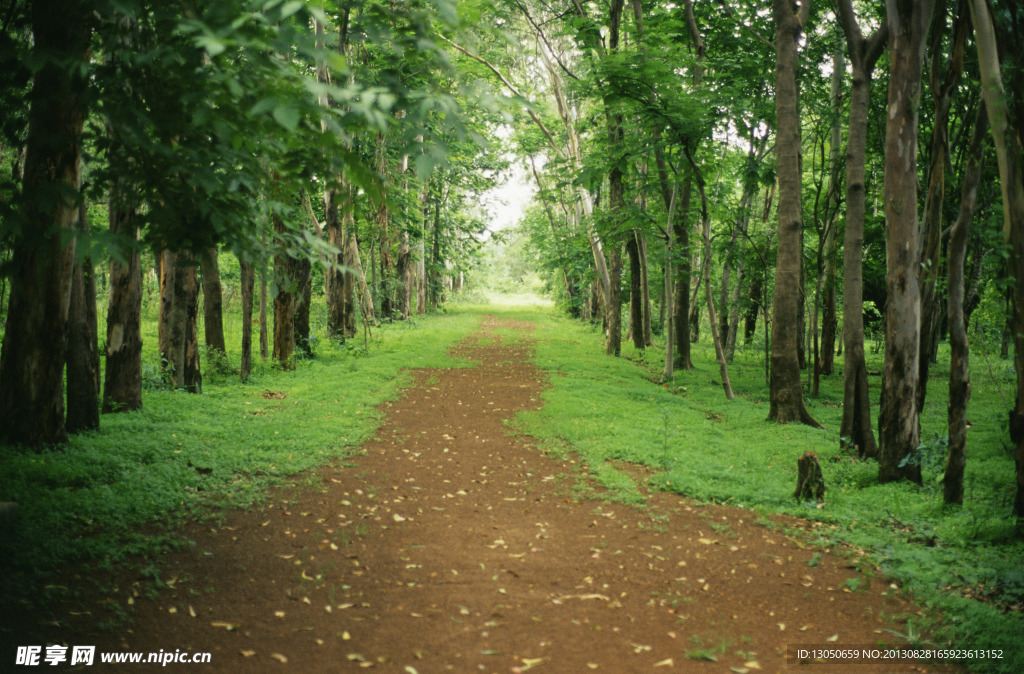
(450, 543)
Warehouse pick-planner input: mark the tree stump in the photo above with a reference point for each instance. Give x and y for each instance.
(809, 481)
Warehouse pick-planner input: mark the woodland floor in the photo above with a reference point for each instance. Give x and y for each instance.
(451, 544)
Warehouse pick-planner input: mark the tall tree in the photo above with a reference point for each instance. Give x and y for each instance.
(122, 383)
(83, 371)
(284, 301)
(248, 281)
(35, 339)
(959, 353)
(943, 91)
(213, 301)
(1006, 129)
(898, 430)
(855, 426)
(786, 391)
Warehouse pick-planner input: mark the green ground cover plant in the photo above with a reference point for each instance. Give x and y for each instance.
(961, 563)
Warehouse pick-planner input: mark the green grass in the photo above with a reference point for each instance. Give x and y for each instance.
(705, 447)
(192, 456)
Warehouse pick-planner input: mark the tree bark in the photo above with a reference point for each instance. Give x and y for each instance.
(959, 370)
(122, 386)
(332, 275)
(786, 391)
(284, 306)
(716, 339)
(636, 293)
(264, 337)
(166, 341)
(898, 431)
(829, 322)
(303, 270)
(35, 339)
(248, 288)
(192, 375)
(213, 302)
(931, 226)
(855, 427)
(83, 362)
(1007, 141)
(684, 273)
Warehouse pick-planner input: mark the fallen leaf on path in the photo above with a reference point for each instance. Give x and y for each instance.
(833, 638)
(752, 664)
(280, 658)
(667, 662)
(230, 627)
(247, 653)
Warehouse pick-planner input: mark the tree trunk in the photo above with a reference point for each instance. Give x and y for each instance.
(122, 386)
(786, 392)
(712, 319)
(166, 316)
(284, 306)
(898, 431)
(931, 226)
(303, 270)
(248, 288)
(636, 293)
(334, 284)
(734, 312)
(855, 428)
(35, 339)
(1007, 140)
(213, 302)
(192, 375)
(645, 289)
(959, 371)
(681, 306)
(669, 277)
(83, 368)
(829, 322)
(264, 337)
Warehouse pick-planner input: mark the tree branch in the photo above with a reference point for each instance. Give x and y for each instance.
(511, 87)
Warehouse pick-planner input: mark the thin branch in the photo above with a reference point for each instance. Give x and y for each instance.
(540, 32)
(744, 26)
(511, 87)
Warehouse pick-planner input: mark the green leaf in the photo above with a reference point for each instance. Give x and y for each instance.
(287, 116)
(212, 44)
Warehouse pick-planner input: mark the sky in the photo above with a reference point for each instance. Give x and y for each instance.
(506, 202)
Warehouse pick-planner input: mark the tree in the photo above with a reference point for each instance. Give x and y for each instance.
(83, 361)
(35, 341)
(856, 427)
(931, 225)
(1006, 135)
(898, 429)
(213, 313)
(786, 391)
(959, 357)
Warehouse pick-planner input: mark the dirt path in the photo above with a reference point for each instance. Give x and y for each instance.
(450, 545)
